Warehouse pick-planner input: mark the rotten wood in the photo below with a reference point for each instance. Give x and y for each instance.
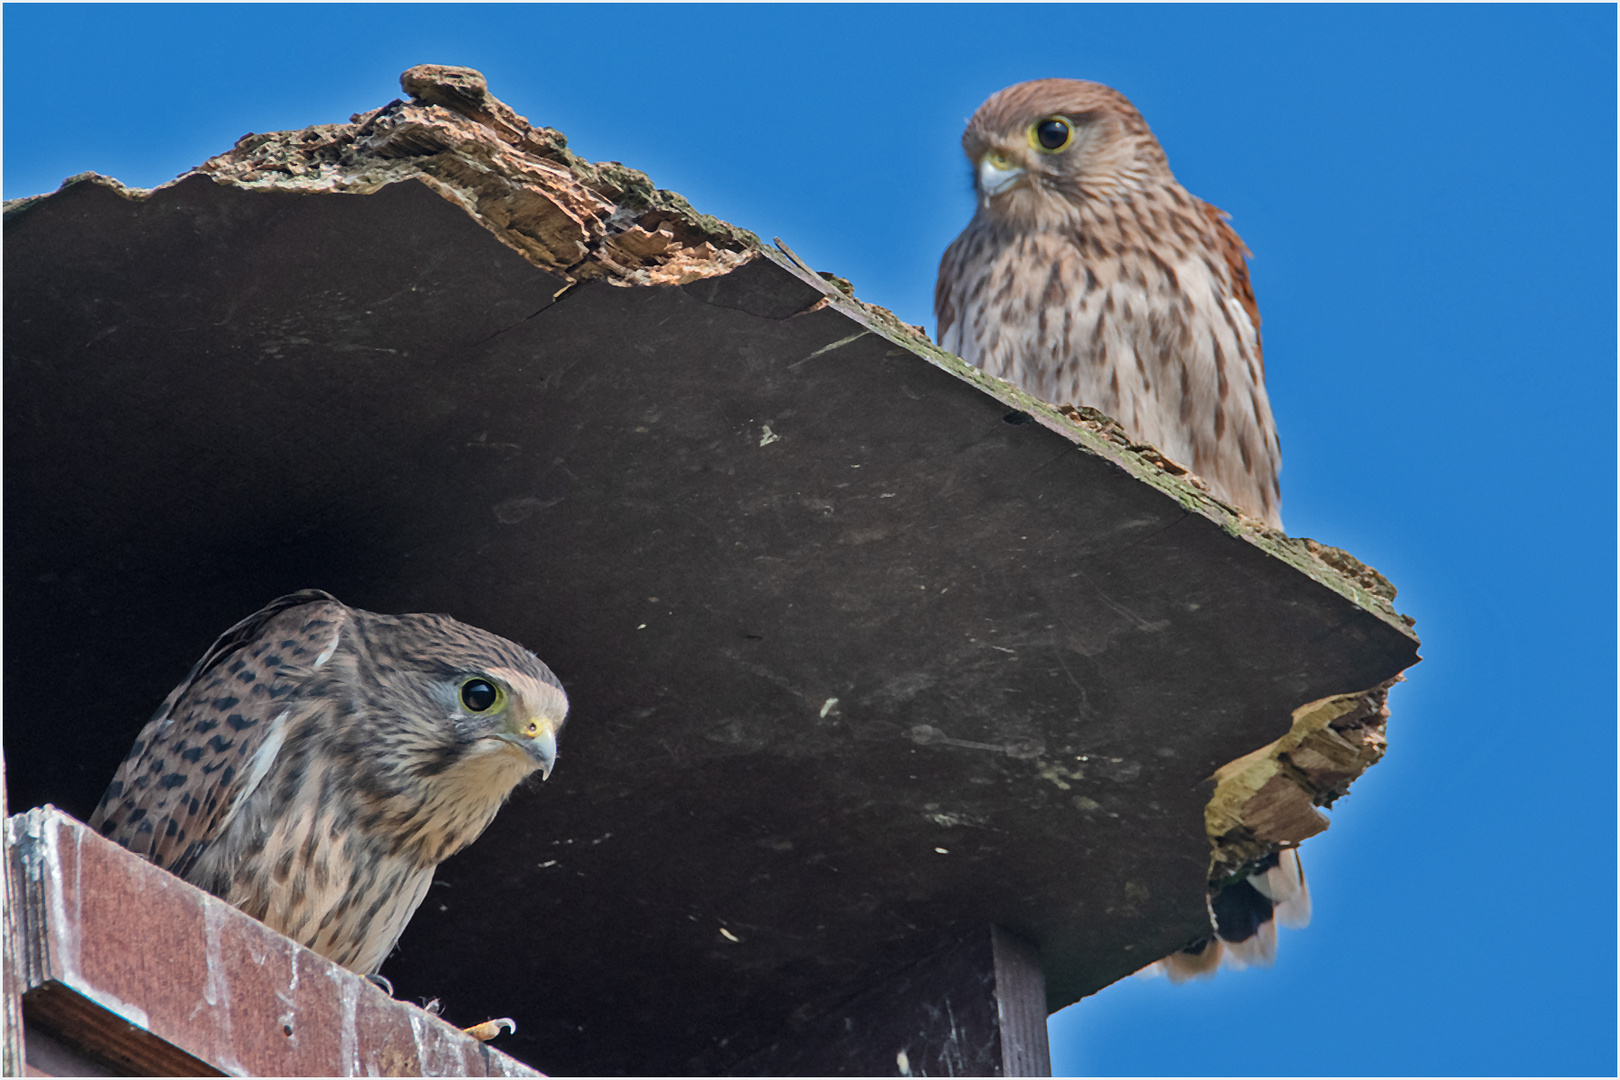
(580, 220)
(1268, 799)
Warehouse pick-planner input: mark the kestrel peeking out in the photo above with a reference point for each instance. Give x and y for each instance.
(320, 761)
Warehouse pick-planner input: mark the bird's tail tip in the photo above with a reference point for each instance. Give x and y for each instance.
(1245, 914)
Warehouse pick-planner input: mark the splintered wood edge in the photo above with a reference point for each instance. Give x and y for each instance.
(1268, 799)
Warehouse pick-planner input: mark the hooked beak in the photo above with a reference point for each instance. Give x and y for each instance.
(536, 737)
(997, 173)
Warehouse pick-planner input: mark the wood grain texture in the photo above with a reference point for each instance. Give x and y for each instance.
(137, 969)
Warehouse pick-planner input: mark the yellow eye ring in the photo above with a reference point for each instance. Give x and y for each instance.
(1053, 135)
(480, 695)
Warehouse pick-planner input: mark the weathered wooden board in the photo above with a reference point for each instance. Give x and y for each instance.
(126, 966)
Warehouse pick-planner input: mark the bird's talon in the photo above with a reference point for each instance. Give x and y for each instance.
(491, 1028)
(381, 983)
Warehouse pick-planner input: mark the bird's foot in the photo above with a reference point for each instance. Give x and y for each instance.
(381, 983)
(490, 1028)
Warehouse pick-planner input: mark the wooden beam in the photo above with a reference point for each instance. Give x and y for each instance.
(63, 1027)
(125, 966)
(11, 1026)
(975, 1008)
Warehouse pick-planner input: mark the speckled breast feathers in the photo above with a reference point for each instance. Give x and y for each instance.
(1089, 276)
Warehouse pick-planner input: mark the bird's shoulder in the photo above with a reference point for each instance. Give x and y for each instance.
(1234, 254)
(217, 733)
(1173, 236)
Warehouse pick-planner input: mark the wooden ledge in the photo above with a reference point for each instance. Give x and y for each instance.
(125, 967)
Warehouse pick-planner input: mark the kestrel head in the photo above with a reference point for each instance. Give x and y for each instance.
(1040, 147)
(461, 700)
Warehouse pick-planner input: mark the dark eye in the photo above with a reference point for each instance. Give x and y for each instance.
(1053, 133)
(479, 695)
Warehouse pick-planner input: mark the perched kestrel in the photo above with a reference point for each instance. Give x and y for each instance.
(1089, 276)
(320, 761)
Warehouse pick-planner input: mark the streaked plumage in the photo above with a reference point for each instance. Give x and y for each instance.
(320, 761)
(1089, 276)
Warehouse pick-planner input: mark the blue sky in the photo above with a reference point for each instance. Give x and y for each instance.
(1430, 196)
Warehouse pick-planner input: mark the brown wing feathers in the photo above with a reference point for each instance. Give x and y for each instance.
(175, 789)
(1236, 254)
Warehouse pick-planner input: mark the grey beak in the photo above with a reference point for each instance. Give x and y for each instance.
(543, 748)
